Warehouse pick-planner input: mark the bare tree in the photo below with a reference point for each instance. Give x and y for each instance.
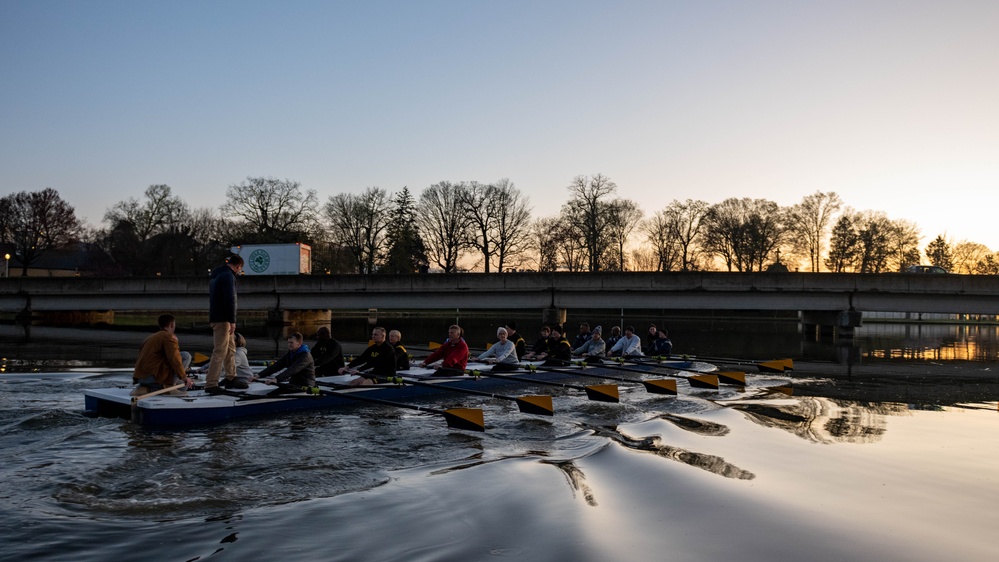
(745, 233)
(623, 215)
(359, 223)
(270, 210)
(967, 255)
(546, 244)
(35, 223)
(512, 229)
(158, 213)
(442, 225)
(587, 210)
(903, 244)
(809, 222)
(479, 205)
(685, 220)
(659, 231)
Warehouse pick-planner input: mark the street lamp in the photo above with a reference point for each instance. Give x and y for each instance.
(6, 272)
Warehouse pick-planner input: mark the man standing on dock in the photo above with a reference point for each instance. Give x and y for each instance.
(222, 317)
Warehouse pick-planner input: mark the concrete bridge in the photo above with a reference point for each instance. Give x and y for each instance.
(822, 299)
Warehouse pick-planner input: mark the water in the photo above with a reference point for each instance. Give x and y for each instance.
(883, 459)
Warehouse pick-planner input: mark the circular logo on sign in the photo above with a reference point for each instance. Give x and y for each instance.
(259, 261)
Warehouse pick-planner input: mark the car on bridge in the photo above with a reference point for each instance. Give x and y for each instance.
(925, 269)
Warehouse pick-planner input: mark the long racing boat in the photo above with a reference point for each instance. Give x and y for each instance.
(198, 408)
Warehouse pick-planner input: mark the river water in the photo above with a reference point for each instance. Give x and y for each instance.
(887, 450)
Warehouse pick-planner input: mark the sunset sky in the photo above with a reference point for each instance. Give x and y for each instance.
(892, 104)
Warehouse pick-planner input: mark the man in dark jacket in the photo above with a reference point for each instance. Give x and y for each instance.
(327, 354)
(296, 367)
(378, 360)
(222, 317)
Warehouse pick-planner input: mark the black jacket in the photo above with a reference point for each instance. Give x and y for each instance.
(222, 295)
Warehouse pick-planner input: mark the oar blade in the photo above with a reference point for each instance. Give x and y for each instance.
(603, 393)
(433, 345)
(732, 377)
(199, 358)
(781, 389)
(788, 364)
(469, 419)
(661, 386)
(539, 405)
(703, 381)
(771, 366)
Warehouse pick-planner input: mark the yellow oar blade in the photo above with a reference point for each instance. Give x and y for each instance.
(732, 377)
(602, 393)
(469, 419)
(788, 364)
(782, 389)
(661, 386)
(771, 366)
(433, 345)
(540, 405)
(488, 345)
(703, 381)
(199, 358)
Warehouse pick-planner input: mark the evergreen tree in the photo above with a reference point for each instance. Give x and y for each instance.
(406, 250)
(938, 252)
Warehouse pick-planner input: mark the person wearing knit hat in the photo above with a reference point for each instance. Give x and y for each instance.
(594, 348)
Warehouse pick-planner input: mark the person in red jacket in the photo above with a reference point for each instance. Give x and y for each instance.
(453, 354)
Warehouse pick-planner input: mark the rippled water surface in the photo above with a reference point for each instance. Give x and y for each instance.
(825, 474)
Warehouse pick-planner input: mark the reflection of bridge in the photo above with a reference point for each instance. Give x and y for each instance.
(829, 299)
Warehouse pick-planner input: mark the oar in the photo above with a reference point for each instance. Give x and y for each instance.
(696, 381)
(597, 392)
(655, 386)
(772, 366)
(536, 404)
(728, 377)
(135, 399)
(457, 418)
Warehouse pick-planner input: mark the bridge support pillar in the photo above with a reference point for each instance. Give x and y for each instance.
(829, 324)
(304, 321)
(552, 315)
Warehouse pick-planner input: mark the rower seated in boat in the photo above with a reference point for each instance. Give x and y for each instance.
(327, 353)
(452, 354)
(296, 367)
(540, 347)
(560, 352)
(594, 348)
(662, 346)
(629, 345)
(160, 363)
(377, 361)
(401, 355)
(502, 354)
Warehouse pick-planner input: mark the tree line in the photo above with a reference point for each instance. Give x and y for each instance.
(473, 226)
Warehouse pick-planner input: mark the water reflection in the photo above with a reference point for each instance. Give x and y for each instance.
(655, 445)
(824, 420)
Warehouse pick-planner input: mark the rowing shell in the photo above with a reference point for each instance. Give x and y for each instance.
(199, 408)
